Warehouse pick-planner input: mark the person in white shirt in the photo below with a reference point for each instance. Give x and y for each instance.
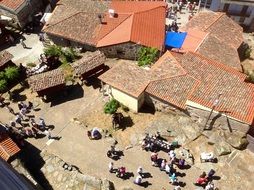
(111, 167)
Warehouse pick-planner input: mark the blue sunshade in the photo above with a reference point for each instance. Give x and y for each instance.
(175, 39)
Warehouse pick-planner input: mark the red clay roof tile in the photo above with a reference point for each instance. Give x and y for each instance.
(11, 4)
(7, 147)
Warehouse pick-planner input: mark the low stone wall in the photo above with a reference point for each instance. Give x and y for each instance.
(59, 177)
(160, 105)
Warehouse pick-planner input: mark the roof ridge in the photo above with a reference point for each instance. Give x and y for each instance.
(223, 66)
(115, 26)
(220, 14)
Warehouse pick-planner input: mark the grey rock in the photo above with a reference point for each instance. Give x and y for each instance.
(222, 148)
(237, 140)
(215, 136)
(59, 178)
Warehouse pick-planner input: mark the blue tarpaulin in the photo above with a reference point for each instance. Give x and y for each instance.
(175, 39)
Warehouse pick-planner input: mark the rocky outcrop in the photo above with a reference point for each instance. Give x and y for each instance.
(61, 175)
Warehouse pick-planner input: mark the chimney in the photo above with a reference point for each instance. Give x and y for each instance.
(111, 13)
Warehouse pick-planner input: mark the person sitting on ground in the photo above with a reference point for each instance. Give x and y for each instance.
(121, 172)
(173, 178)
(18, 119)
(95, 134)
(181, 163)
(209, 186)
(177, 187)
(138, 180)
(210, 174)
(140, 170)
(163, 165)
(42, 124)
(154, 158)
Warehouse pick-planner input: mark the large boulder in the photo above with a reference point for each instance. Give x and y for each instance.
(222, 148)
(237, 140)
(189, 128)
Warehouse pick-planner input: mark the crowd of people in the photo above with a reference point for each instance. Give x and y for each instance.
(177, 6)
(24, 125)
(169, 166)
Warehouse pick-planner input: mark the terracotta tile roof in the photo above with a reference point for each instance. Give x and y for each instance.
(77, 21)
(175, 90)
(11, 4)
(133, 79)
(128, 78)
(136, 21)
(166, 67)
(193, 40)
(216, 50)
(89, 62)
(7, 147)
(218, 25)
(5, 56)
(46, 80)
(237, 98)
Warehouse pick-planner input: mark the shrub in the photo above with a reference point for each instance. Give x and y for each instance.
(111, 106)
(147, 56)
(70, 54)
(3, 85)
(31, 64)
(53, 51)
(2, 75)
(247, 53)
(12, 73)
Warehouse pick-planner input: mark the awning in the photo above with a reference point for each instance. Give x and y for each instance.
(175, 39)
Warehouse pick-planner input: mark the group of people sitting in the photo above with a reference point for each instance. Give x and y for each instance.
(24, 125)
(206, 180)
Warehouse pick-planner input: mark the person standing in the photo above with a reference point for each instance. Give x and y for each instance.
(140, 171)
(23, 44)
(48, 134)
(111, 167)
(42, 124)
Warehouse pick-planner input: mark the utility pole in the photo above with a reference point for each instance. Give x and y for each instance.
(215, 103)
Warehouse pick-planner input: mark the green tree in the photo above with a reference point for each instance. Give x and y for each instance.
(70, 54)
(111, 106)
(147, 56)
(3, 85)
(2, 75)
(12, 73)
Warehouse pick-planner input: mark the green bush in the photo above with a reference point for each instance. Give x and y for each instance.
(2, 75)
(111, 106)
(53, 51)
(3, 85)
(147, 56)
(67, 54)
(12, 73)
(70, 54)
(247, 53)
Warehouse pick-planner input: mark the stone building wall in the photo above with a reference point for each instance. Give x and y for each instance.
(23, 14)
(160, 105)
(67, 43)
(127, 50)
(199, 116)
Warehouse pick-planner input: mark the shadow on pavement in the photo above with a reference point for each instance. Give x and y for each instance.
(71, 93)
(31, 159)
